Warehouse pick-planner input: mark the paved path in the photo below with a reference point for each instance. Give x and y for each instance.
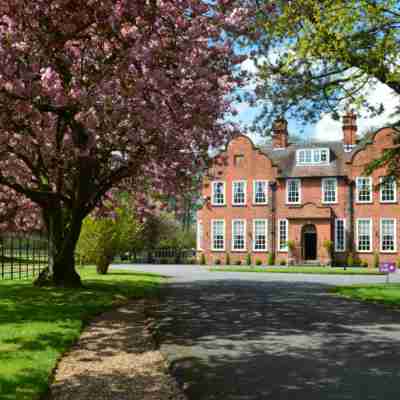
(244, 336)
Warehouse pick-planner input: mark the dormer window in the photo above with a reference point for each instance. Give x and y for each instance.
(312, 157)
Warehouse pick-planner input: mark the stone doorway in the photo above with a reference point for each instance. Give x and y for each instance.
(309, 242)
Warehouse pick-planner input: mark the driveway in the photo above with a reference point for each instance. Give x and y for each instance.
(248, 336)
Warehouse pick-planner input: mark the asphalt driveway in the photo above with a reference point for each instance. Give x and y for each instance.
(243, 336)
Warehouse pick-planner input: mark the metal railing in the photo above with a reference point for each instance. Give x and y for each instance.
(22, 256)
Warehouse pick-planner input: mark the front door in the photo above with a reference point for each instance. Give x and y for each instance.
(310, 242)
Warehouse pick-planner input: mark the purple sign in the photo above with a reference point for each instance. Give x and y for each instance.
(387, 267)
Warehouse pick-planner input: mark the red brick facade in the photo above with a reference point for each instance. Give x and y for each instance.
(366, 227)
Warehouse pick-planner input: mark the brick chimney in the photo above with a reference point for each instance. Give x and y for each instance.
(349, 129)
(280, 134)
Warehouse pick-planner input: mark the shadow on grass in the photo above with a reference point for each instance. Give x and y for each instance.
(246, 340)
(39, 324)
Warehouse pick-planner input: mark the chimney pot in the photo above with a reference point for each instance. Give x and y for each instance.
(280, 133)
(349, 129)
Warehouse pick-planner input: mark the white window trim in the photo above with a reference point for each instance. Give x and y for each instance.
(244, 234)
(200, 235)
(212, 235)
(381, 237)
(286, 248)
(287, 191)
(380, 192)
(357, 193)
(370, 234)
(320, 149)
(245, 193)
(323, 191)
(212, 194)
(266, 192)
(344, 235)
(266, 235)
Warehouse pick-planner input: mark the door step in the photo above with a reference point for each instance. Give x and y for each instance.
(311, 262)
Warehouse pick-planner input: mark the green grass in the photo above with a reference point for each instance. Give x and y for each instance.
(300, 270)
(388, 294)
(37, 325)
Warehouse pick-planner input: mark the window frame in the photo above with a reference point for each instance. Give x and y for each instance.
(199, 235)
(312, 161)
(337, 249)
(323, 180)
(287, 190)
(244, 190)
(212, 234)
(358, 201)
(265, 220)
(266, 192)
(394, 235)
(212, 194)
(233, 249)
(370, 235)
(381, 192)
(284, 249)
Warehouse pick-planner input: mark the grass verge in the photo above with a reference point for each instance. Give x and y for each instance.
(388, 294)
(301, 270)
(37, 325)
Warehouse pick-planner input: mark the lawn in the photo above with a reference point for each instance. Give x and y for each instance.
(382, 293)
(38, 325)
(300, 270)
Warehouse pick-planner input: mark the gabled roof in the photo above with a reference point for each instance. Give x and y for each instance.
(285, 160)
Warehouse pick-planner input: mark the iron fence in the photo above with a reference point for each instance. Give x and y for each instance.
(165, 255)
(22, 256)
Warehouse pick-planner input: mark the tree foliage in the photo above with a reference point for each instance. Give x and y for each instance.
(102, 238)
(102, 94)
(319, 56)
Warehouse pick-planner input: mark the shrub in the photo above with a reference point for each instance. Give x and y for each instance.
(291, 245)
(271, 259)
(364, 263)
(282, 262)
(248, 259)
(228, 259)
(398, 263)
(238, 262)
(376, 260)
(350, 260)
(202, 259)
(217, 261)
(258, 262)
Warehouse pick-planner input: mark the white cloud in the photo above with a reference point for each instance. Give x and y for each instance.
(328, 129)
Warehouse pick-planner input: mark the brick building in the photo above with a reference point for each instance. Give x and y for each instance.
(258, 200)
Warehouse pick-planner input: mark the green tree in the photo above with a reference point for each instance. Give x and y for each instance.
(103, 238)
(317, 56)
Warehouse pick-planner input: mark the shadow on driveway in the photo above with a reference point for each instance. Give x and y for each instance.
(245, 340)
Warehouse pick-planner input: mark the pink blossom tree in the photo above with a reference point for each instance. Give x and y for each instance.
(101, 94)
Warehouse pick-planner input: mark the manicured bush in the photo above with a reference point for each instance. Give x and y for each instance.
(238, 262)
(217, 262)
(227, 259)
(376, 260)
(364, 263)
(350, 260)
(202, 259)
(398, 263)
(248, 259)
(271, 259)
(258, 262)
(282, 262)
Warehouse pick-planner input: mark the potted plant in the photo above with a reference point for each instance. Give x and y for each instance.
(328, 246)
(291, 246)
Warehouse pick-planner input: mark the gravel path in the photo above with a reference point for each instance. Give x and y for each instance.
(115, 358)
